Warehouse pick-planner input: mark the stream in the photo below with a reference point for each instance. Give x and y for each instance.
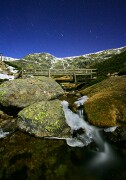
(103, 156)
(87, 155)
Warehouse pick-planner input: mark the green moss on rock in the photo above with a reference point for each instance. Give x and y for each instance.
(24, 92)
(106, 105)
(45, 118)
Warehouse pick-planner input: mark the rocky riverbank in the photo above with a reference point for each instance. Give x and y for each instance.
(32, 101)
(37, 111)
(32, 105)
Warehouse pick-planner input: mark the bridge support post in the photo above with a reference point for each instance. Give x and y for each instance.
(91, 75)
(75, 77)
(49, 73)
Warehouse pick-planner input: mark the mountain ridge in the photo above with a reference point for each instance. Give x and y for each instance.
(108, 59)
(112, 50)
(97, 52)
(46, 60)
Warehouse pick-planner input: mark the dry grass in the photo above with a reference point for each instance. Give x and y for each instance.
(62, 78)
(107, 103)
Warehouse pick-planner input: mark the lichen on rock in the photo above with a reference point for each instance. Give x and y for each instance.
(45, 118)
(21, 93)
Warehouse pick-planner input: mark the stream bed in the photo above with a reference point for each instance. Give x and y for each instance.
(26, 157)
(88, 155)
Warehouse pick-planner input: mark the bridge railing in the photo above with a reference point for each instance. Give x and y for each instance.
(60, 72)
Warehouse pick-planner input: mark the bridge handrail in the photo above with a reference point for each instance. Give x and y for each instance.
(58, 72)
(55, 70)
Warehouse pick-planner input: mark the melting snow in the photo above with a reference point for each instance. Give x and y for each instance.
(5, 76)
(12, 69)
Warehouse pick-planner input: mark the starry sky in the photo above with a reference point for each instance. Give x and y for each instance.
(61, 27)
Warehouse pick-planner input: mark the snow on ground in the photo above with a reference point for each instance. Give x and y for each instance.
(12, 69)
(5, 58)
(5, 76)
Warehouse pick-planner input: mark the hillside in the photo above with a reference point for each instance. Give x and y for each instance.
(106, 97)
(46, 60)
(115, 64)
(106, 62)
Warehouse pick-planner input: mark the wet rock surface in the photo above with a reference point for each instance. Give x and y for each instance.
(26, 157)
(119, 135)
(7, 123)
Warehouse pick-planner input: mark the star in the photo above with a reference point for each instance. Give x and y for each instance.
(61, 34)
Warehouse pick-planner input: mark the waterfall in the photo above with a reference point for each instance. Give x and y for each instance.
(91, 133)
(76, 122)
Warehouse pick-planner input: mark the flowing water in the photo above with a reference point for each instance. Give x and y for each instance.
(85, 156)
(103, 154)
(3, 134)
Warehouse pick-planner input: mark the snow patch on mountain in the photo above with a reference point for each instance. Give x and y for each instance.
(12, 69)
(109, 51)
(48, 61)
(5, 58)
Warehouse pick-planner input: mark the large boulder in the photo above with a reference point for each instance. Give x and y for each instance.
(45, 118)
(21, 93)
(106, 105)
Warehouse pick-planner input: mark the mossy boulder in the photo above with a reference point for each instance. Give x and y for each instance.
(106, 105)
(45, 118)
(24, 92)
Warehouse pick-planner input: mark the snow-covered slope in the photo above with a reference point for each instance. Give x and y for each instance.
(7, 71)
(87, 59)
(48, 61)
(103, 54)
(94, 57)
(5, 76)
(5, 58)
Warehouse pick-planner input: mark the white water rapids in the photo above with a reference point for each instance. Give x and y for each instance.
(91, 133)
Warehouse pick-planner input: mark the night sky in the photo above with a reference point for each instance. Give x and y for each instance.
(61, 27)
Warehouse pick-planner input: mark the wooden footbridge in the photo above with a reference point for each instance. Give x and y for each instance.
(72, 75)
